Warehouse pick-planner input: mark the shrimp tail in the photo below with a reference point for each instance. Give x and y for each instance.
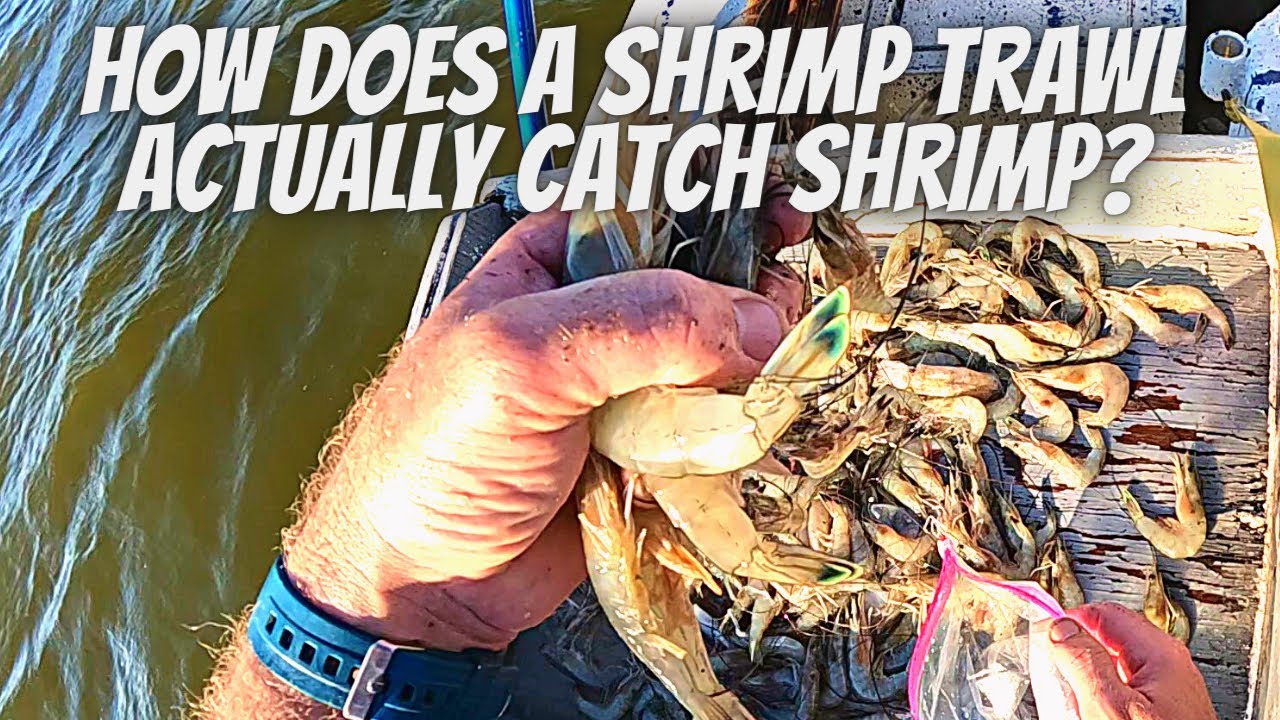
(798, 565)
(814, 347)
(596, 245)
(1131, 506)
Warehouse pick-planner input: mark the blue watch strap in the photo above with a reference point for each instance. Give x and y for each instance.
(362, 675)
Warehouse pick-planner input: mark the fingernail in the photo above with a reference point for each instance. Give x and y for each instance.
(1063, 630)
(759, 328)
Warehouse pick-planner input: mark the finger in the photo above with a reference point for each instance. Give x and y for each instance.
(528, 258)
(609, 336)
(784, 287)
(1090, 671)
(784, 225)
(1054, 696)
(1139, 646)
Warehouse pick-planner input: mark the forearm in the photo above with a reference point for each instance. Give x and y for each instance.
(336, 556)
(242, 688)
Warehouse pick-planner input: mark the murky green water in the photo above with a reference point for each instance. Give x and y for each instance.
(166, 380)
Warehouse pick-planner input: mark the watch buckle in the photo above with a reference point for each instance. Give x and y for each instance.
(369, 679)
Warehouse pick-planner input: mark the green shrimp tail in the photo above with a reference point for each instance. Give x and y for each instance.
(813, 349)
(797, 565)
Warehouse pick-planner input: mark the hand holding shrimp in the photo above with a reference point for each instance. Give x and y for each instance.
(485, 461)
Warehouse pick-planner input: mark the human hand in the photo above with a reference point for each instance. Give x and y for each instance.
(443, 520)
(1112, 664)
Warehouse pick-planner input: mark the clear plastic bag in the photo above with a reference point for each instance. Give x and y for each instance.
(973, 660)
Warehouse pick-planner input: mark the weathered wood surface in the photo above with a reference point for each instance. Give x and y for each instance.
(1203, 399)
(1209, 401)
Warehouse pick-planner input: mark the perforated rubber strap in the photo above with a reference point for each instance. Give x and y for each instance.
(362, 675)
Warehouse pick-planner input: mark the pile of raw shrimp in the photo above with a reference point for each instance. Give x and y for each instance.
(969, 344)
(981, 336)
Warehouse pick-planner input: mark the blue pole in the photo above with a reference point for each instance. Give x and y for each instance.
(522, 39)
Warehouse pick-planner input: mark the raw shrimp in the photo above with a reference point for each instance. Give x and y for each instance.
(983, 526)
(1007, 404)
(1090, 325)
(1147, 320)
(1115, 342)
(829, 528)
(708, 510)
(1012, 344)
(1061, 579)
(915, 460)
(1055, 422)
(1181, 536)
(895, 270)
(904, 546)
(986, 273)
(647, 604)
(1049, 530)
(1062, 467)
(1086, 259)
(1073, 293)
(1103, 382)
(904, 491)
(764, 608)
(665, 543)
(939, 380)
(944, 332)
(848, 259)
(1186, 300)
(932, 288)
(963, 411)
(1018, 537)
(674, 432)
(986, 301)
(823, 455)
(1163, 611)
(1054, 332)
(617, 239)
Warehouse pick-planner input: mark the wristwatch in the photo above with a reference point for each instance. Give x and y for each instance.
(368, 677)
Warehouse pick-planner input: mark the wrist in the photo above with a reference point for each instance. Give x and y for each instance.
(341, 563)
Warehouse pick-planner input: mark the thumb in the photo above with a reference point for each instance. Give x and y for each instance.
(607, 337)
(1090, 672)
